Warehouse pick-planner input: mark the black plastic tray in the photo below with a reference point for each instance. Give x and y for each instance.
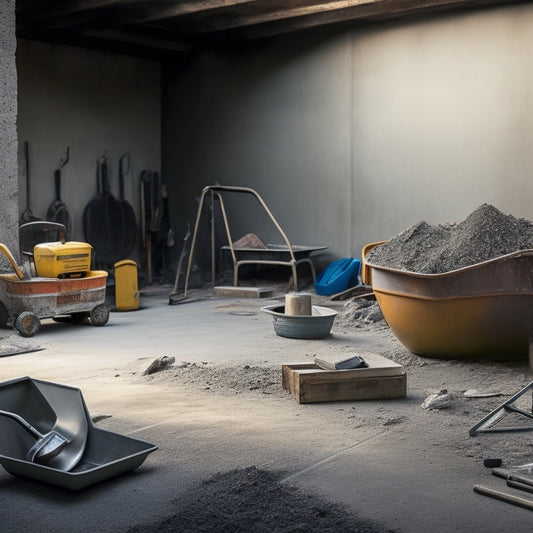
(96, 454)
(106, 455)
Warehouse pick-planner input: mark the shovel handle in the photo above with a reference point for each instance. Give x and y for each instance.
(104, 176)
(57, 179)
(123, 170)
(23, 423)
(27, 163)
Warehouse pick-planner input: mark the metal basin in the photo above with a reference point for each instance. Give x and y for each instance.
(315, 326)
(480, 311)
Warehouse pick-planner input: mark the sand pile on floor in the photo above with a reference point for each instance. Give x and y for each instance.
(485, 234)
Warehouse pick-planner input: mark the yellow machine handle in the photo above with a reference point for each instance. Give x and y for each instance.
(11, 259)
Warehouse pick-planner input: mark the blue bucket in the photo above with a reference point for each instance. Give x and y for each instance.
(338, 276)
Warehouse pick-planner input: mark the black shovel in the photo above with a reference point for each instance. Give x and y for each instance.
(102, 220)
(46, 446)
(129, 224)
(58, 210)
(27, 215)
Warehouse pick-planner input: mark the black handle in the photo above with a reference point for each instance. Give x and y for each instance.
(98, 178)
(57, 179)
(27, 163)
(122, 172)
(106, 190)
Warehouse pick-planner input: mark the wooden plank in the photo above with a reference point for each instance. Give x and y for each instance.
(243, 292)
(319, 375)
(378, 388)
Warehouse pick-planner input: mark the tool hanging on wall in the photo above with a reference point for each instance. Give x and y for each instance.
(109, 223)
(58, 210)
(156, 232)
(149, 189)
(129, 223)
(27, 215)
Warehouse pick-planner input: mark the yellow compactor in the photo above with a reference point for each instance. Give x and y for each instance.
(56, 282)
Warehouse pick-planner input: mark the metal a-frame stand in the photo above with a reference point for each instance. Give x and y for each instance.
(215, 192)
(489, 423)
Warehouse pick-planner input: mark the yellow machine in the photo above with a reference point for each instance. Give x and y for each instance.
(55, 281)
(62, 259)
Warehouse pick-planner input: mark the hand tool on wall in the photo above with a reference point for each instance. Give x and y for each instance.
(27, 215)
(129, 224)
(58, 210)
(149, 214)
(102, 220)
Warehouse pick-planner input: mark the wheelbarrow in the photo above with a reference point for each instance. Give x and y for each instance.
(480, 311)
(25, 300)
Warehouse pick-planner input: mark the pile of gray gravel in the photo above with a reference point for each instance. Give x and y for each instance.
(485, 234)
(251, 500)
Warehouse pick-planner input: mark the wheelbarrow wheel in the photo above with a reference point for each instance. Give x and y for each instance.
(4, 316)
(99, 315)
(27, 324)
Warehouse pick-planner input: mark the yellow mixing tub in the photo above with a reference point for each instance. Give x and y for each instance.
(480, 311)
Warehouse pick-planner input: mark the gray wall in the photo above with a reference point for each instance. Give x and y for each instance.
(350, 137)
(8, 131)
(93, 102)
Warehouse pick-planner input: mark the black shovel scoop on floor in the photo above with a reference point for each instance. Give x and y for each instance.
(46, 447)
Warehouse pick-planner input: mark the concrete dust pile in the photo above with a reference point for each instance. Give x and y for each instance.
(253, 500)
(359, 312)
(485, 234)
(233, 379)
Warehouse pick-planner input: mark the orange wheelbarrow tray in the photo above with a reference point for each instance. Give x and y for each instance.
(23, 302)
(481, 311)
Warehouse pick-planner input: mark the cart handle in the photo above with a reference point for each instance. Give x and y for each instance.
(11, 259)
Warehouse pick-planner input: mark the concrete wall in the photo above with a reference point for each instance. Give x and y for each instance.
(93, 102)
(350, 137)
(8, 131)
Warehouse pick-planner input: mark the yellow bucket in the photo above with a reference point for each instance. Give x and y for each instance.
(126, 286)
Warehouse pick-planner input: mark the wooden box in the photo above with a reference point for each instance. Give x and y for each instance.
(382, 379)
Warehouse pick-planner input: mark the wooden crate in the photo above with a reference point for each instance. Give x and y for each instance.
(382, 379)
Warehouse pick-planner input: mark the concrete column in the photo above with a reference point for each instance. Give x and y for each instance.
(9, 209)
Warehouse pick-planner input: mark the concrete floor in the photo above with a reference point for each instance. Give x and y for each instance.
(392, 474)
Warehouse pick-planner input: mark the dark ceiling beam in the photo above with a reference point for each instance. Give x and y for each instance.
(152, 13)
(293, 20)
(125, 38)
(122, 12)
(60, 9)
(178, 26)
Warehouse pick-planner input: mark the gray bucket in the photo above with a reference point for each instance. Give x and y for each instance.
(315, 326)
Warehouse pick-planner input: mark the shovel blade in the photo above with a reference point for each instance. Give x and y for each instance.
(46, 447)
